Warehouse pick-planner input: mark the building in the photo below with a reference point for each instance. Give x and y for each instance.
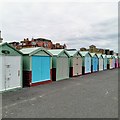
(83, 49)
(94, 49)
(1, 39)
(15, 44)
(39, 42)
(111, 52)
(58, 46)
(107, 51)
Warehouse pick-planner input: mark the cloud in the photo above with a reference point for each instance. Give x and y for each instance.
(76, 24)
(104, 35)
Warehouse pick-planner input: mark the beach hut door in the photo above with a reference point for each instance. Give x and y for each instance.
(75, 66)
(7, 76)
(12, 72)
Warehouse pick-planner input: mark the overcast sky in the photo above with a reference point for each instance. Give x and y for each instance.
(77, 24)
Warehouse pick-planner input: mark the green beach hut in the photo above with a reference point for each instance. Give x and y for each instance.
(75, 63)
(37, 65)
(60, 64)
(10, 67)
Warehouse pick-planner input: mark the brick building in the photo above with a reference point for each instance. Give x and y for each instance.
(39, 42)
(58, 46)
(94, 49)
(83, 49)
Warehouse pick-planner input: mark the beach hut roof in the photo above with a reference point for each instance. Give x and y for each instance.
(58, 52)
(116, 56)
(93, 54)
(73, 53)
(109, 56)
(99, 55)
(5, 43)
(104, 55)
(83, 53)
(31, 51)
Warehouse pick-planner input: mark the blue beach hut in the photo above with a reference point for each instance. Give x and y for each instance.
(86, 64)
(104, 61)
(100, 62)
(95, 62)
(37, 66)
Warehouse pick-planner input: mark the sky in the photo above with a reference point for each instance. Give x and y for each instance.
(77, 24)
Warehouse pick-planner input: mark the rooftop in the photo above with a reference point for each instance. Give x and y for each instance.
(72, 53)
(83, 53)
(56, 51)
(42, 39)
(29, 50)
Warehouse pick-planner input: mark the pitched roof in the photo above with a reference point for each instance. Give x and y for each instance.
(93, 54)
(31, 51)
(73, 53)
(99, 55)
(104, 55)
(116, 56)
(83, 53)
(57, 52)
(5, 43)
(109, 56)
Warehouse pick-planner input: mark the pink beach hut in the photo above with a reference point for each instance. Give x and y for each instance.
(116, 62)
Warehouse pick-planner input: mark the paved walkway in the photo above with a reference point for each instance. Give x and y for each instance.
(88, 96)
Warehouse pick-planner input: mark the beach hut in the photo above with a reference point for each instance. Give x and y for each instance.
(37, 65)
(116, 62)
(100, 68)
(104, 61)
(86, 64)
(113, 61)
(60, 64)
(94, 65)
(10, 67)
(75, 63)
(119, 61)
(109, 61)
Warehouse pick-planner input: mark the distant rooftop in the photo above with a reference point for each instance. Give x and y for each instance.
(42, 39)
